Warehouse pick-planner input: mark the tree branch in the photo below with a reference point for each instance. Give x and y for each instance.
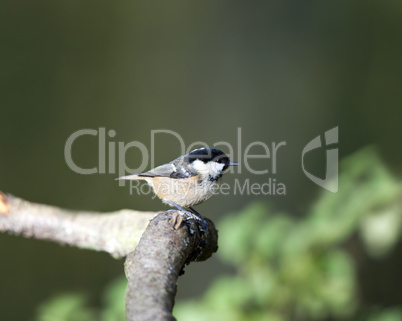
(155, 265)
(152, 269)
(117, 233)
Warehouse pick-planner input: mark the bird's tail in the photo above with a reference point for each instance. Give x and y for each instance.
(130, 177)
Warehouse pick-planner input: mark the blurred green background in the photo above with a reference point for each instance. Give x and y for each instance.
(279, 70)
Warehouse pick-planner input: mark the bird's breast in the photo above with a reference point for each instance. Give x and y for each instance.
(185, 192)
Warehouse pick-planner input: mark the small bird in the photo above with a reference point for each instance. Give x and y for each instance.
(188, 180)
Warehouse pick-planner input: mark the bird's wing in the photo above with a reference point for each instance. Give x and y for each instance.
(169, 170)
(163, 170)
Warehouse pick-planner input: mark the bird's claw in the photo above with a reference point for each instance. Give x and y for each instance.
(182, 215)
(204, 225)
(177, 219)
(190, 214)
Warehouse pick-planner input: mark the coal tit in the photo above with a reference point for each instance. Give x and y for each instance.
(188, 180)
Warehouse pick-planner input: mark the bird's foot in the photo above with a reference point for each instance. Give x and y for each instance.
(177, 219)
(201, 218)
(187, 215)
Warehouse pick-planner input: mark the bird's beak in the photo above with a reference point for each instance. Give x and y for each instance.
(233, 164)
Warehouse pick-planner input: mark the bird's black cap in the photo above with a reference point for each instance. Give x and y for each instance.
(210, 154)
(206, 154)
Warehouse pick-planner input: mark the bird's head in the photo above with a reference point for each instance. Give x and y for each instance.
(209, 161)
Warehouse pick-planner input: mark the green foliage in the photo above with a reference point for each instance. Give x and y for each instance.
(113, 299)
(297, 269)
(74, 306)
(387, 315)
(66, 307)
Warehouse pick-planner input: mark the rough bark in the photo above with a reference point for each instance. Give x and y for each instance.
(153, 268)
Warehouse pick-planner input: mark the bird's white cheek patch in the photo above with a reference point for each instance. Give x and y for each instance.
(216, 168)
(200, 166)
(210, 168)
